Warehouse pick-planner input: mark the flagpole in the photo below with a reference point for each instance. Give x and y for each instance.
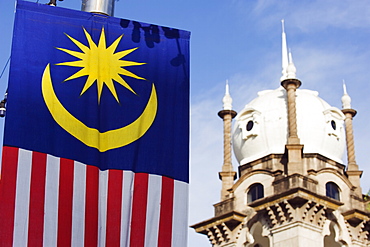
(105, 7)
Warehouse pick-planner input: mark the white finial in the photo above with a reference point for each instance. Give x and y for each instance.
(344, 87)
(284, 53)
(227, 100)
(346, 100)
(291, 70)
(290, 57)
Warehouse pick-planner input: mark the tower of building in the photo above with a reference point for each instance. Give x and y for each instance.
(227, 175)
(293, 189)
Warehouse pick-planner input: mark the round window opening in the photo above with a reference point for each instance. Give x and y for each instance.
(333, 125)
(250, 125)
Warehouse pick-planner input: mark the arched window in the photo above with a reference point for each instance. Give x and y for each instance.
(255, 192)
(332, 190)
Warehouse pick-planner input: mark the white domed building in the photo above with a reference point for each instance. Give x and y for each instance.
(320, 126)
(293, 188)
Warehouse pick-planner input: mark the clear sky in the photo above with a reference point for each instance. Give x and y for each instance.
(240, 40)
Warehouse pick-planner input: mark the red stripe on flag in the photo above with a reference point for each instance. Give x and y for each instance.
(166, 213)
(8, 182)
(65, 203)
(114, 208)
(37, 200)
(91, 206)
(138, 220)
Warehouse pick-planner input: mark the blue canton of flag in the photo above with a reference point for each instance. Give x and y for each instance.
(96, 142)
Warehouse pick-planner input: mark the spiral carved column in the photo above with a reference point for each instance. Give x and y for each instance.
(351, 158)
(293, 146)
(227, 175)
(354, 174)
(227, 139)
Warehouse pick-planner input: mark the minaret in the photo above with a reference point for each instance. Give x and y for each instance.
(227, 175)
(291, 83)
(354, 174)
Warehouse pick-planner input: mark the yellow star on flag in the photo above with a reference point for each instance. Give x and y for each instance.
(101, 64)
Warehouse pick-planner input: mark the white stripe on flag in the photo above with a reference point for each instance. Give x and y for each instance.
(51, 201)
(127, 190)
(153, 210)
(22, 200)
(102, 215)
(180, 214)
(78, 209)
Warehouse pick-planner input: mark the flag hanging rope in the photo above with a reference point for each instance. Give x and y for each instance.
(6, 65)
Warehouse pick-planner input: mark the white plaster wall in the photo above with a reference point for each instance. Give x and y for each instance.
(297, 234)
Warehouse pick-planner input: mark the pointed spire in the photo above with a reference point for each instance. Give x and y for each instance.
(227, 87)
(290, 58)
(227, 100)
(344, 87)
(284, 52)
(291, 69)
(346, 99)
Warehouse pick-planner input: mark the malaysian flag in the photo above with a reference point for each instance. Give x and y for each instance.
(96, 142)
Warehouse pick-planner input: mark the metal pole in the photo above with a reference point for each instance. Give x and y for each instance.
(105, 7)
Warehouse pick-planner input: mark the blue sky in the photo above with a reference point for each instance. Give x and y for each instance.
(240, 40)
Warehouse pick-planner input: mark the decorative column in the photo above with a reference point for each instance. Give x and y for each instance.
(353, 172)
(293, 146)
(227, 175)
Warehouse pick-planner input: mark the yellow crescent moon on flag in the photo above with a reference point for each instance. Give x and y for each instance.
(103, 141)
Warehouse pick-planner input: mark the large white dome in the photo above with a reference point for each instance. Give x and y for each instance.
(261, 128)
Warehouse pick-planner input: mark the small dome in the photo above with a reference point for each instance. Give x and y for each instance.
(261, 128)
